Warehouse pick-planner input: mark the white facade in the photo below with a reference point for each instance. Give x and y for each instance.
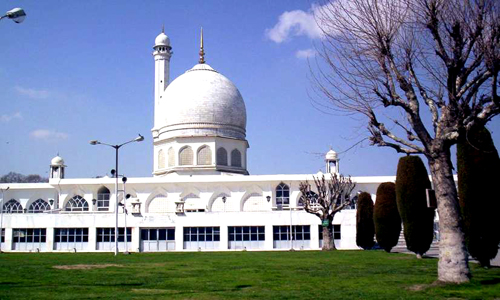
(200, 196)
(153, 206)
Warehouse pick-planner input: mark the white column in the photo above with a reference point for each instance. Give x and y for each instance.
(7, 246)
(269, 237)
(92, 244)
(224, 235)
(179, 236)
(135, 245)
(314, 236)
(49, 239)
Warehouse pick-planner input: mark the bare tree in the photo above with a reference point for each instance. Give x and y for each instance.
(427, 68)
(332, 196)
(13, 177)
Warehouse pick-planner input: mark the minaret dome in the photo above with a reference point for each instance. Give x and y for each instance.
(332, 162)
(57, 167)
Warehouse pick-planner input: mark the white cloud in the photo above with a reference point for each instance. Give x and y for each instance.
(295, 23)
(8, 118)
(306, 53)
(32, 93)
(45, 134)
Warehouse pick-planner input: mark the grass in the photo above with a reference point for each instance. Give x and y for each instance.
(228, 275)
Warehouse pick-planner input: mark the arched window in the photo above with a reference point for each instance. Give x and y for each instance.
(38, 206)
(313, 199)
(282, 195)
(161, 159)
(236, 158)
(12, 207)
(77, 203)
(222, 157)
(204, 155)
(171, 157)
(186, 156)
(103, 196)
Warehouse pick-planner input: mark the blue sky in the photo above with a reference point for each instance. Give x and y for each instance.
(81, 70)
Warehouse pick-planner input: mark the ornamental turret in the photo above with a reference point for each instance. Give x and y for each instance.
(332, 162)
(57, 168)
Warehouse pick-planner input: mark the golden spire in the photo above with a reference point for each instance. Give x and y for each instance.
(202, 53)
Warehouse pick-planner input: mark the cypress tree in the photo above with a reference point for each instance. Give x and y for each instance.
(478, 165)
(364, 222)
(386, 216)
(418, 220)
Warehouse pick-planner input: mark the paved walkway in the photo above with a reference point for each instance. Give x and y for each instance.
(434, 251)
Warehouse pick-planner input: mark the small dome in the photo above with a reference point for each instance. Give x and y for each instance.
(202, 102)
(162, 40)
(331, 155)
(57, 161)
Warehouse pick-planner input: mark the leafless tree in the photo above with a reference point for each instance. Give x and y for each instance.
(421, 72)
(13, 177)
(333, 195)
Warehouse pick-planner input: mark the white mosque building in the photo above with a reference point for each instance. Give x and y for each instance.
(200, 198)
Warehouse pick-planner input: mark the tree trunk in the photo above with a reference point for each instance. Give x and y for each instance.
(453, 257)
(328, 242)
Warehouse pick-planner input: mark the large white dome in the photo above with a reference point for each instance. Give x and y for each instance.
(202, 102)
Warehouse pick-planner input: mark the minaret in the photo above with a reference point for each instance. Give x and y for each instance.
(57, 167)
(332, 162)
(162, 53)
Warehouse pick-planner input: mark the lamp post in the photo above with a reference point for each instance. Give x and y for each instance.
(139, 138)
(17, 15)
(1, 217)
(125, 197)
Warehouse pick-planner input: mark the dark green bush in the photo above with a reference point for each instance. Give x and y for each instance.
(386, 216)
(364, 222)
(418, 220)
(478, 165)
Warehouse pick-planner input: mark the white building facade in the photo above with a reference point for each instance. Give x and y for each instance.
(200, 197)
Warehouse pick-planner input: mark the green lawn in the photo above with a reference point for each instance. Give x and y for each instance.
(259, 275)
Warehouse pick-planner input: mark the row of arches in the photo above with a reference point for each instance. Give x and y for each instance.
(220, 203)
(76, 203)
(14, 207)
(252, 200)
(203, 157)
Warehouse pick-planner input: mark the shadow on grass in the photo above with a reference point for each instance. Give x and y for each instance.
(118, 284)
(243, 286)
(491, 281)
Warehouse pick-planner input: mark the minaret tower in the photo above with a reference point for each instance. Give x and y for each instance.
(162, 53)
(57, 167)
(332, 162)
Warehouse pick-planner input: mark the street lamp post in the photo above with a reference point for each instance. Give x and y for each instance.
(1, 217)
(125, 197)
(17, 15)
(139, 138)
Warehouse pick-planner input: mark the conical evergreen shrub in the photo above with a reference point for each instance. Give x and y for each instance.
(386, 216)
(365, 229)
(478, 167)
(418, 220)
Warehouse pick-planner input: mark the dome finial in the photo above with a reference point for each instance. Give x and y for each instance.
(202, 53)
(162, 28)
